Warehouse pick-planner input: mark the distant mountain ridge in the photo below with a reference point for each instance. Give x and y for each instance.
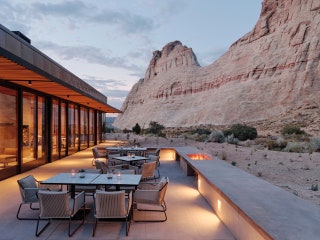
(267, 78)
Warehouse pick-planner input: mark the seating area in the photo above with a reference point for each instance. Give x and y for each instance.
(208, 225)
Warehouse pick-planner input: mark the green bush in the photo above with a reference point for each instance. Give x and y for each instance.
(136, 129)
(276, 145)
(294, 147)
(315, 144)
(203, 131)
(291, 129)
(155, 128)
(241, 132)
(231, 139)
(216, 136)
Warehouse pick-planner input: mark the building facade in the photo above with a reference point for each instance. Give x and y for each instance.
(47, 112)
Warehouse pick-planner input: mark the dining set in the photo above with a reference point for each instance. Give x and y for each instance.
(115, 194)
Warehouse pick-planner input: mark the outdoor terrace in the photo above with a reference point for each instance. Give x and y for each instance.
(189, 214)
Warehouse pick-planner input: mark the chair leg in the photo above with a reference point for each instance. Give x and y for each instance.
(94, 227)
(43, 228)
(20, 218)
(129, 220)
(164, 209)
(79, 225)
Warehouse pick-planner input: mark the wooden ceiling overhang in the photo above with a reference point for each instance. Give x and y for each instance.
(24, 65)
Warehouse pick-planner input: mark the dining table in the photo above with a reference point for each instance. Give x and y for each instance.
(118, 180)
(131, 159)
(125, 150)
(93, 179)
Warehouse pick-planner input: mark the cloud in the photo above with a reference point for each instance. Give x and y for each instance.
(90, 54)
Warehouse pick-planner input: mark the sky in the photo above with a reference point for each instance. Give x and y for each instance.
(109, 43)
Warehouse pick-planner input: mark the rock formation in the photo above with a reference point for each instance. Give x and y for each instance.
(267, 78)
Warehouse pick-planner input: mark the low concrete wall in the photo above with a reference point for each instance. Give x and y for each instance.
(249, 206)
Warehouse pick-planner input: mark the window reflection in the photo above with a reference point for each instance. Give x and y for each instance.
(8, 128)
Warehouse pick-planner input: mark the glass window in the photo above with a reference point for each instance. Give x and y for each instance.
(55, 130)
(91, 128)
(63, 142)
(73, 129)
(83, 128)
(29, 130)
(8, 128)
(42, 134)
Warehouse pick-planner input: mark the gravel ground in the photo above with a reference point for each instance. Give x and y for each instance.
(294, 172)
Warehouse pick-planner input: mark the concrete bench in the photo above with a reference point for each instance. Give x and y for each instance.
(249, 206)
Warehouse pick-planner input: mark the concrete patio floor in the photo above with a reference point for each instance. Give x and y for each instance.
(189, 215)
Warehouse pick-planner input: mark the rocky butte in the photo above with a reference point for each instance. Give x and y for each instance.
(267, 78)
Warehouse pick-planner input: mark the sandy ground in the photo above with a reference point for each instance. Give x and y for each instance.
(294, 172)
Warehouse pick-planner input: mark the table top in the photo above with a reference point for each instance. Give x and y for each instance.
(123, 180)
(67, 178)
(130, 158)
(127, 148)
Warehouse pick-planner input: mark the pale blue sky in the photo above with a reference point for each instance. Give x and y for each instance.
(109, 43)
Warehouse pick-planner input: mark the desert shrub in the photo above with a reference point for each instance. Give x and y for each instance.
(233, 163)
(242, 132)
(314, 187)
(216, 136)
(231, 139)
(294, 147)
(315, 144)
(136, 129)
(291, 129)
(276, 145)
(201, 131)
(198, 137)
(155, 128)
(125, 130)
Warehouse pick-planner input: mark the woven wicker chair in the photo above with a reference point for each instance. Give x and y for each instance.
(57, 205)
(148, 171)
(99, 153)
(112, 205)
(152, 195)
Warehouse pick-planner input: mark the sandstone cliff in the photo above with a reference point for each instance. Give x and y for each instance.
(267, 78)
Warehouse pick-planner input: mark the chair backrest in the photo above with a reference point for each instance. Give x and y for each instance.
(28, 188)
(162, 187)
(101, 166)
(110, 204)
(99, 152)
(148, 169)
(54, 204)
(27, 182)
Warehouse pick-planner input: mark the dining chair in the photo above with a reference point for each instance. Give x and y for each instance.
(59, 205)
(148, 171)
(150, 197)
(29, 187)
(116, 205)
(99, 153)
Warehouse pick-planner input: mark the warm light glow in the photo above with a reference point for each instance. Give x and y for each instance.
(73, 173)
(199, 183)
(199, 156)
(219, 205)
